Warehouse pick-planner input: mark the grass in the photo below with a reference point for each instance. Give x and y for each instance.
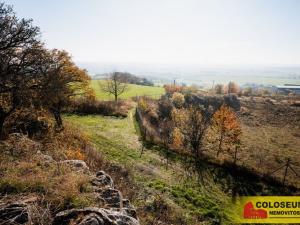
(133, 91)
(117, 140)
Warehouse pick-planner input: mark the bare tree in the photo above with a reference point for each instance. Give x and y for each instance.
(114, 85)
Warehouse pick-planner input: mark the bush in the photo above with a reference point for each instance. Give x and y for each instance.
(165, 108)
(142, 105)
(247, 91)
(106, 108)
(178, 99)
(170, 89)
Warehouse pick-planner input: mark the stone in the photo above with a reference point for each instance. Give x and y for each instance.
(77, 165)
(14, 213)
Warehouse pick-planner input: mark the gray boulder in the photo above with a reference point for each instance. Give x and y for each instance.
(112, 198)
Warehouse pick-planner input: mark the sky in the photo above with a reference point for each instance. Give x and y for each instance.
(211, 32)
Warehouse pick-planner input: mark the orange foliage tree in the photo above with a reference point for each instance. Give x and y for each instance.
(171, 89)
(227, 126)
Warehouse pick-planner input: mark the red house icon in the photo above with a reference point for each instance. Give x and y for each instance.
(251, 213)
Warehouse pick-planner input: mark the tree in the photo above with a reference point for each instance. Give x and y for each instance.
(114, 85)
(20, 51)
(63, 81)
(193, 125)
(232, 88)
(219, 89)
(226, 125)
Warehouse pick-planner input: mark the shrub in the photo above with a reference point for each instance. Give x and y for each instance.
(106, 108)
(247, 91)
(142, 105)
(165, 108)
(178, 99)
(170, 89)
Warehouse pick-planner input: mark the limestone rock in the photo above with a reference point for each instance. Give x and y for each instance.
(77, 165)
(103, 180)
(112, 198)
(93, 216)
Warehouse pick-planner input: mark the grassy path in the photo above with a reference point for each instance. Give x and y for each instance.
(118, 140)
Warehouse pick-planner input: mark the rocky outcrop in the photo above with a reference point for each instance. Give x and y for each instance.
(93, 216)
(114, 209)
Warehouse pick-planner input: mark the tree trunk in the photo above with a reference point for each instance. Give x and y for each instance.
(3, 116)
(2, 119)
(116, 97)
(57, 117)
(220, 145)
(235, 154)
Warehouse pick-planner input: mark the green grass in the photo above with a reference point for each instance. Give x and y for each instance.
(117, 139)
(133, 90)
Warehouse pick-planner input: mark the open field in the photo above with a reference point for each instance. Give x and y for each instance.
(133, 90)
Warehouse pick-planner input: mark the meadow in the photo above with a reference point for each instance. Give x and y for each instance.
(132, 91)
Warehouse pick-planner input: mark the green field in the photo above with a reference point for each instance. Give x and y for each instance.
(133, 90)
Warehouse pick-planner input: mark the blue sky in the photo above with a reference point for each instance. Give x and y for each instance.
(211, 32)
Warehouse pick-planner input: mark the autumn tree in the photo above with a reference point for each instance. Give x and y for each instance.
(20, 51)
(193, 124)
(226, 124)
(114, 85)
(232, 88)
(172, 88)
(63, 81)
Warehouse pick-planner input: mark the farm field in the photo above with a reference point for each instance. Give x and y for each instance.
(133, 90)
